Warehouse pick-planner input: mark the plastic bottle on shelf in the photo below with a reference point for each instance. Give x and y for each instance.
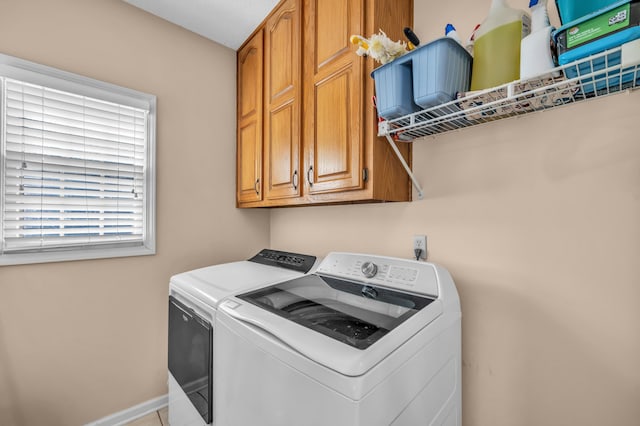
(535, 51)
(450, 31)
(497, 46)
(472, 38)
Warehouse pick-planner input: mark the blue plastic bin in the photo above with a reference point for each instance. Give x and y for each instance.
(428, 76)
(441, 69)
(394, 88)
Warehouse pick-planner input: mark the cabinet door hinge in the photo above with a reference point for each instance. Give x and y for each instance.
(365, 174)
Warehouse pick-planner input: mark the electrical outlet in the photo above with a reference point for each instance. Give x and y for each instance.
(420, 243)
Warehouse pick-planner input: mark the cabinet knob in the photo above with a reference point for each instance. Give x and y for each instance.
(295, 180)
(310, 175)
(257, 186)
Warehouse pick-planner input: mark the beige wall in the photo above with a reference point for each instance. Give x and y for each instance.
(537, 218)
(82, 340)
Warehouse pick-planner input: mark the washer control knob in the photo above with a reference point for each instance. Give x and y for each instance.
(369, 269)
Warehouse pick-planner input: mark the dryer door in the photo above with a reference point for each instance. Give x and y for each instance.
(190, 355)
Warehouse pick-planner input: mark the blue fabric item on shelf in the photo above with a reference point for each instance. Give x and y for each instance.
(570, 10)
(594, 33)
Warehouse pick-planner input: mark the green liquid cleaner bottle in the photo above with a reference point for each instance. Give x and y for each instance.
(497, 46)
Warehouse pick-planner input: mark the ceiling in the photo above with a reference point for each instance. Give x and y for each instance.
(228, 22)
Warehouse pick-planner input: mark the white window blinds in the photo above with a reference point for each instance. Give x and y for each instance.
(74, 170)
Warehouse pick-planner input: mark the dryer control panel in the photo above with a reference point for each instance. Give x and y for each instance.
(282, 259)
(419, 277)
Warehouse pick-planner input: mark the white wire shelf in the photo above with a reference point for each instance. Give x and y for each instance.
(606, 73)
(599, 75)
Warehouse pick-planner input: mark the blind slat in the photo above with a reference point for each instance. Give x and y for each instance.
(16, 202)
(49, 162)
(13, 183)
(30, 222)
(30, 121)
(13, 244)
(37, 227)
(55, 193)
(98, 182)
(72, 214)
(76, 143)
(15, 168)
(19, 108)
(54, 151)
(69, 98)
(71, 232)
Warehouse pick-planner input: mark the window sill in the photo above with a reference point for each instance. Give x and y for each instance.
(70, 255)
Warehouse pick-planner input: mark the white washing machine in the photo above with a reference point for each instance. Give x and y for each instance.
(193, 301)
(364, 341)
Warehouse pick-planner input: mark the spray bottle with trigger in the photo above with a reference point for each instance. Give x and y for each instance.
(536, 57)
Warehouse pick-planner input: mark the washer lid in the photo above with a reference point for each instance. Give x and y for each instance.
(350, 312)
(346, 332)
(213, 283)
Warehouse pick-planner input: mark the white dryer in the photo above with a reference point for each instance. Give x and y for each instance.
(193, 301)
(364, 341)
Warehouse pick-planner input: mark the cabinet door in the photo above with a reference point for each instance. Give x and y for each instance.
(282, 102)
(250, 109)
(333, 139)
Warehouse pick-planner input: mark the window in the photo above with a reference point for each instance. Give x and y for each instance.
(77, 177)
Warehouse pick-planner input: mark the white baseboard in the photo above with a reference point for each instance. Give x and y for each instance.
(132, 413)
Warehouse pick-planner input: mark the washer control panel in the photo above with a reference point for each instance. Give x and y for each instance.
(386, 271)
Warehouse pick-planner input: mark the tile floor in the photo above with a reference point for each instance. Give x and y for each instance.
(157, 418)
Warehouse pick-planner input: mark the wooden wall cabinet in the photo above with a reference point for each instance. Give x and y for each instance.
(249, 115)
(319, 141)
(283, 96)
(334, 78)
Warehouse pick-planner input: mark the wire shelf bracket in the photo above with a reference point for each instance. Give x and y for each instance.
(416, 184)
